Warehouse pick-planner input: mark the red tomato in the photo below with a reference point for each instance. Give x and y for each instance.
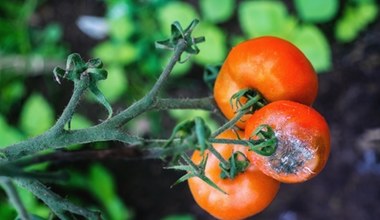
(272, 66)
(303, 141)
(247, 194)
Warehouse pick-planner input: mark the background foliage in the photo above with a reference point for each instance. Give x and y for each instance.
(36, 35)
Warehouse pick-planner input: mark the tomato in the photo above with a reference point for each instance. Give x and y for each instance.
(247, 194)
(303, 141)
(272, 66)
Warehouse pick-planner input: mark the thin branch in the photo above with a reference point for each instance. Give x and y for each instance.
(28, 65)
(229, 124)
(14, 197)
(57, 204)
(79, 88)
(206, 103)
(147, 101)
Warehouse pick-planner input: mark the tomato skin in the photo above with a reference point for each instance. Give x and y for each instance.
(303, 141)
(274, 67)
(247, 194)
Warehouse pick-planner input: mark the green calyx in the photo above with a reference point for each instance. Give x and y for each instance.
(179, 34)
(254, 101)
(266, 144)
(238, 163)
(76, 70)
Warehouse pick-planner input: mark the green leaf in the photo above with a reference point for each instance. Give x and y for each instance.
(9, 135)
(259, 18)
(173, 11)
(116, 84)
(316, 11)
(102, 186)
(79, 122)
(116, 53)
(214, 49)
(179, 217)
(121, 28)
(32, 204)
(217, 11)
(102, 181)
(314, 45)
(37, 115)
(354, 20)
(184, 115)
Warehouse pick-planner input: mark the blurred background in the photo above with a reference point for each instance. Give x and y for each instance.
(341, 38)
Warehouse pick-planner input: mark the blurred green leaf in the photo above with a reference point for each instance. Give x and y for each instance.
(116, 53)
(182, 12)
(32, 204)
(354, 20)
(184, 115)
(316, 11)
(79, 122)
(36, 116)
(116, 84)
(314, 45)
(217, 11)
(214, 49)
(6, 210)
(179, 217)
(259, 18)
(11, 93)
(9, 135)
(103, 188)
(121, 28)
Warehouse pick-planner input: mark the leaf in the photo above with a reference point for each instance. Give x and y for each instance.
(354, 20)
(173, 11)
(9, 135)
(116, 53)
(316, 11)
(102, 186)
(37, 115)
(79, 122)
(259, 18)
(214, 49)
(116, 84)
(217, 11)
(184, 115)
(314, 45)
(121, 28)
(179, 217)
(32, 204)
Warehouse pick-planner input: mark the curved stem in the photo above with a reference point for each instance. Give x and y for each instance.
(227, 141)
(206, 103)
(229, 124)
(57, 204)
(150, 99)
(14, 197)
(79, 87)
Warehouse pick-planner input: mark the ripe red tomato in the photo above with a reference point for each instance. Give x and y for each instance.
(272, 66)
(247, 194)
(303, 141)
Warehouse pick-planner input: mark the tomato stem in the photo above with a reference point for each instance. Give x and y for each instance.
(229, 124)
(254, 100)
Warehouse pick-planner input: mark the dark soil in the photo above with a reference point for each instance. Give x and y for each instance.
(349, 98)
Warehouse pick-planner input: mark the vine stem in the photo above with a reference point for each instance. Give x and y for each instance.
(80, 87)
(227, 141)
(56, 203)
(150, 99)
(14, 198)
(229, 124)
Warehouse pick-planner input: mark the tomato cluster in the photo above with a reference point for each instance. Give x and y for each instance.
(281, 74)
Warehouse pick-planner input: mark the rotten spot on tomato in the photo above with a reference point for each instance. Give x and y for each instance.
(291, 156)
